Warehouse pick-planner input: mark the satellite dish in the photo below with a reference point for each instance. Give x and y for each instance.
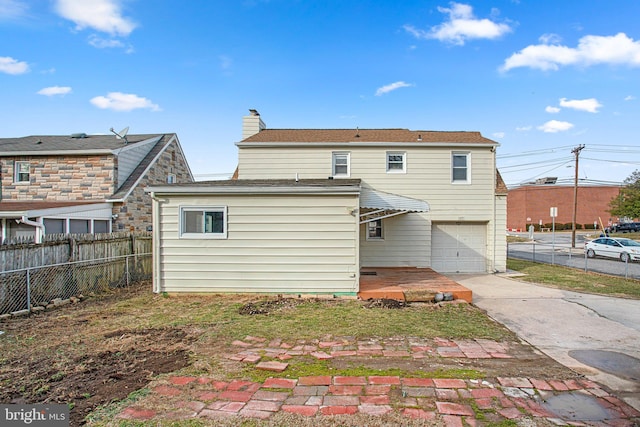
(122, 134)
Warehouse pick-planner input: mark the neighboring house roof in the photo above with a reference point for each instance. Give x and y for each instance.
(82, 144)
(366, 135)
(501, 187)
(11, 209)
(66, 144)
(140, 171)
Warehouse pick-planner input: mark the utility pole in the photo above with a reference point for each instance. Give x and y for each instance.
(576, 151)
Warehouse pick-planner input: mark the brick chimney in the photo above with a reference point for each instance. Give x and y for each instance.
(252, 124)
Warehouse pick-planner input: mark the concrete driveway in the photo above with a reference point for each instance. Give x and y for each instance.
(596, 336)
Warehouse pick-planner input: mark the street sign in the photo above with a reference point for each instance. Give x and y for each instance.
(553, 212)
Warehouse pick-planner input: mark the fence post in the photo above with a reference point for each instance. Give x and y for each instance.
(126, 262)
(534, 252)
(28, 290)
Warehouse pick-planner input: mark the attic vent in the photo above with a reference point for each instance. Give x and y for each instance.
(78, 135)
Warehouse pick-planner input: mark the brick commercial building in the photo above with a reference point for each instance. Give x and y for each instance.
(530, 204)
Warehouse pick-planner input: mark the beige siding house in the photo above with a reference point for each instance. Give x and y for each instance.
(406, 199)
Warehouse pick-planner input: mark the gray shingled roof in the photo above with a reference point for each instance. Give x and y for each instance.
(366, 135)
(65, 143)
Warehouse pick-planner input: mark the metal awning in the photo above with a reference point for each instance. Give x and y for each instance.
(376, 205)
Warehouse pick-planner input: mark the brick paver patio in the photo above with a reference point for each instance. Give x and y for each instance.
(450, 400)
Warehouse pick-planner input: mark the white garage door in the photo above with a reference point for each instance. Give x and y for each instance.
(459, 248)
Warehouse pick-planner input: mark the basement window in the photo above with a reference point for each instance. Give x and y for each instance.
(203, 222)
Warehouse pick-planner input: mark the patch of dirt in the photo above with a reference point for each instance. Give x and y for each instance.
(268, 306)
(66, 368)
(385, 303)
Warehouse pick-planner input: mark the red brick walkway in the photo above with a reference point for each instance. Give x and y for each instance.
(449, 400)
(454, 402)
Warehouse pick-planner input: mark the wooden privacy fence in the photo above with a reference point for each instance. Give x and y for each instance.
(64, 248)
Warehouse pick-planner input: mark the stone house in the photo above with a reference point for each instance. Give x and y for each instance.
(84, 183)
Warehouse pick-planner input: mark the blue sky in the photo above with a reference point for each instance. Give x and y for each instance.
(540, 77)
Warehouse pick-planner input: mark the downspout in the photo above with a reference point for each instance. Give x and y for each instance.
(495, 207)
(155, 243)
(38, 225)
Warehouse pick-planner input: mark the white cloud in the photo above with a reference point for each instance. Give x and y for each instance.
(225, 62)
(550, 38)
(498, 134)
(9, 65)
(590, 105)
(12, 9)
(461, 26)
(54, 90)
(591, 50)
(554, 126)
(629, 98)
(524, 128)
(119, 101)
(101, 15)
(101, 43)
(552, 110)
(391, 87)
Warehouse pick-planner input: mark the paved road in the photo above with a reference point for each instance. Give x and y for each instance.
(596, 336)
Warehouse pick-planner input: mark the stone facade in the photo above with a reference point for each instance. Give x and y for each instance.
(135, 213)
(60, 178)
(94, 177)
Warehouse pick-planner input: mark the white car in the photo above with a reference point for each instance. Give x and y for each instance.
(613, 247)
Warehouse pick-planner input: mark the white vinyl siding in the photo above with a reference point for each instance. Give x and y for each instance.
(275, 244)
(407, 241)
(429, 178)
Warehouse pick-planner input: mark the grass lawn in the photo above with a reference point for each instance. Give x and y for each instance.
(572, 279)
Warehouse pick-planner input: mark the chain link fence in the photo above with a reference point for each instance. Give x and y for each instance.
(572, 257)
(36, 288)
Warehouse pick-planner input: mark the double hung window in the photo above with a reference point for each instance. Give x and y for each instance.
(341, 164)
(396, 162)
(460, 168)
(21, 172)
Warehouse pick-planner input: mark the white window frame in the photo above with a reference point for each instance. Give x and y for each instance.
(171, 178)
(16, 172)
(202, 235)
(334, 157)
(369, 225)
(467, 167)
(402, 154)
